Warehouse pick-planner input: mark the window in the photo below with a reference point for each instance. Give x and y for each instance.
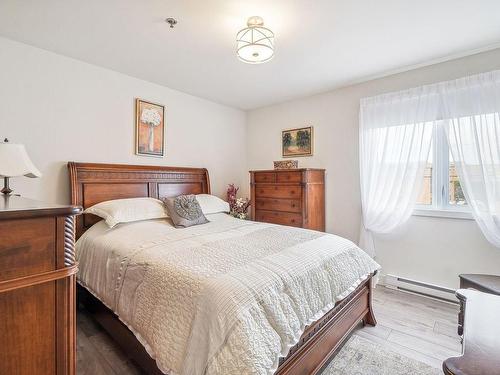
(441, 193)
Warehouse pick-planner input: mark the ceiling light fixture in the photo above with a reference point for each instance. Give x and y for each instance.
(255, 43)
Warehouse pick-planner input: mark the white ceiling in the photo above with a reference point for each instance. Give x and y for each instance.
(320, 44)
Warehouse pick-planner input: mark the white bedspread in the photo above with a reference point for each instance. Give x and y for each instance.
(227, 297)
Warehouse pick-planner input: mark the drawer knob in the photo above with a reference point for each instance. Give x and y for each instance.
(293, 220)
(292, 191)
(293, 204)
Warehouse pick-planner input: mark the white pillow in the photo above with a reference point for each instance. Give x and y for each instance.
(126, 210)
(210, 204)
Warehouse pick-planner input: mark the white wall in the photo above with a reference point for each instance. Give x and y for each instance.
(428, 249)
(66, 110)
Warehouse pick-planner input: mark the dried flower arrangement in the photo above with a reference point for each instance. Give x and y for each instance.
(238, 206)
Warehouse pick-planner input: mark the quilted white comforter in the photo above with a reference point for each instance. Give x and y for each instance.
(227, 297)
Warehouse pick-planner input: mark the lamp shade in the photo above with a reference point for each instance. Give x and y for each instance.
(14, 161)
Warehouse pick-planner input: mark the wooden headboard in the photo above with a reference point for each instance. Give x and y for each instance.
(92, 183)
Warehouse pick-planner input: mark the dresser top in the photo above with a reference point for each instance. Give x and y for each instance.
(288, 170)
(15, 207)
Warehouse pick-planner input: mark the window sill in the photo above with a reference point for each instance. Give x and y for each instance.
(449, 214)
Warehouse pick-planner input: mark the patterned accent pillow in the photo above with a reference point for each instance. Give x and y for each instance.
(184, 211)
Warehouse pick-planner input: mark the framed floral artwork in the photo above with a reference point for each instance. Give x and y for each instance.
(149, 128)
(297, 142)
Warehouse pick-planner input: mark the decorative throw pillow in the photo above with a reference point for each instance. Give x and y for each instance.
(184, 211)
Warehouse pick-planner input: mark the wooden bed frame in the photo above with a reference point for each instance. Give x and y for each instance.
(93, 183)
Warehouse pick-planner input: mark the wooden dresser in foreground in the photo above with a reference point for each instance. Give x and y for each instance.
(294, 197)
(37, 287)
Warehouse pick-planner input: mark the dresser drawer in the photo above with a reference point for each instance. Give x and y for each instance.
(278, 191)
(265, 177)
(27, 247)
(277, 217)
(295, 176)
(276, 204)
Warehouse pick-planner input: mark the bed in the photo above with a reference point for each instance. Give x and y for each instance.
(285, 330)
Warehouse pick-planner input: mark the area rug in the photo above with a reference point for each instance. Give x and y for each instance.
(362, 357)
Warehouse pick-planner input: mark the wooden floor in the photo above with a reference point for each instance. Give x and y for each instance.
(414, 326)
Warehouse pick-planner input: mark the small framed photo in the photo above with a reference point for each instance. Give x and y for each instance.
(149, 128)
(297, 142)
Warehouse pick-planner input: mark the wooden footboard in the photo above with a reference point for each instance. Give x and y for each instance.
(316, 346)
(325, 336)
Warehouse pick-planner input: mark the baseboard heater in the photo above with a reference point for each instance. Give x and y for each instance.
(419, 287)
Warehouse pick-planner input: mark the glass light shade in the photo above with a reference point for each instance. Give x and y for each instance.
(255, 44)
(14, 161)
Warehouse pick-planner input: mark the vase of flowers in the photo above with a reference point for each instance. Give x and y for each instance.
(238, 207)
(152, 118)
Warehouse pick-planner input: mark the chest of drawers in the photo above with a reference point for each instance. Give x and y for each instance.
(37, 287)
(289, 197)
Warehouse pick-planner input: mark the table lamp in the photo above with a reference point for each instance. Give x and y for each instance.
(14, 162)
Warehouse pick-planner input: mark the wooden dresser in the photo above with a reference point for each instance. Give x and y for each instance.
(37, 287)
(289, 197)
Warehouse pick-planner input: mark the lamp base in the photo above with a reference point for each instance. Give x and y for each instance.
(6, 189)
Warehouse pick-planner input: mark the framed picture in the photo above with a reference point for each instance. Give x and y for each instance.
(297, 142)
(149, 128)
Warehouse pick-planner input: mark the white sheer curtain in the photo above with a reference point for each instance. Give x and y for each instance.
(395, 139)
(471, 106)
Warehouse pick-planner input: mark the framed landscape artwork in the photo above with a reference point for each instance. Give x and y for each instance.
(149, 128)
(297, 142)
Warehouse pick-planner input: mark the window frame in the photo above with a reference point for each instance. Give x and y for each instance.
(441, 206)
